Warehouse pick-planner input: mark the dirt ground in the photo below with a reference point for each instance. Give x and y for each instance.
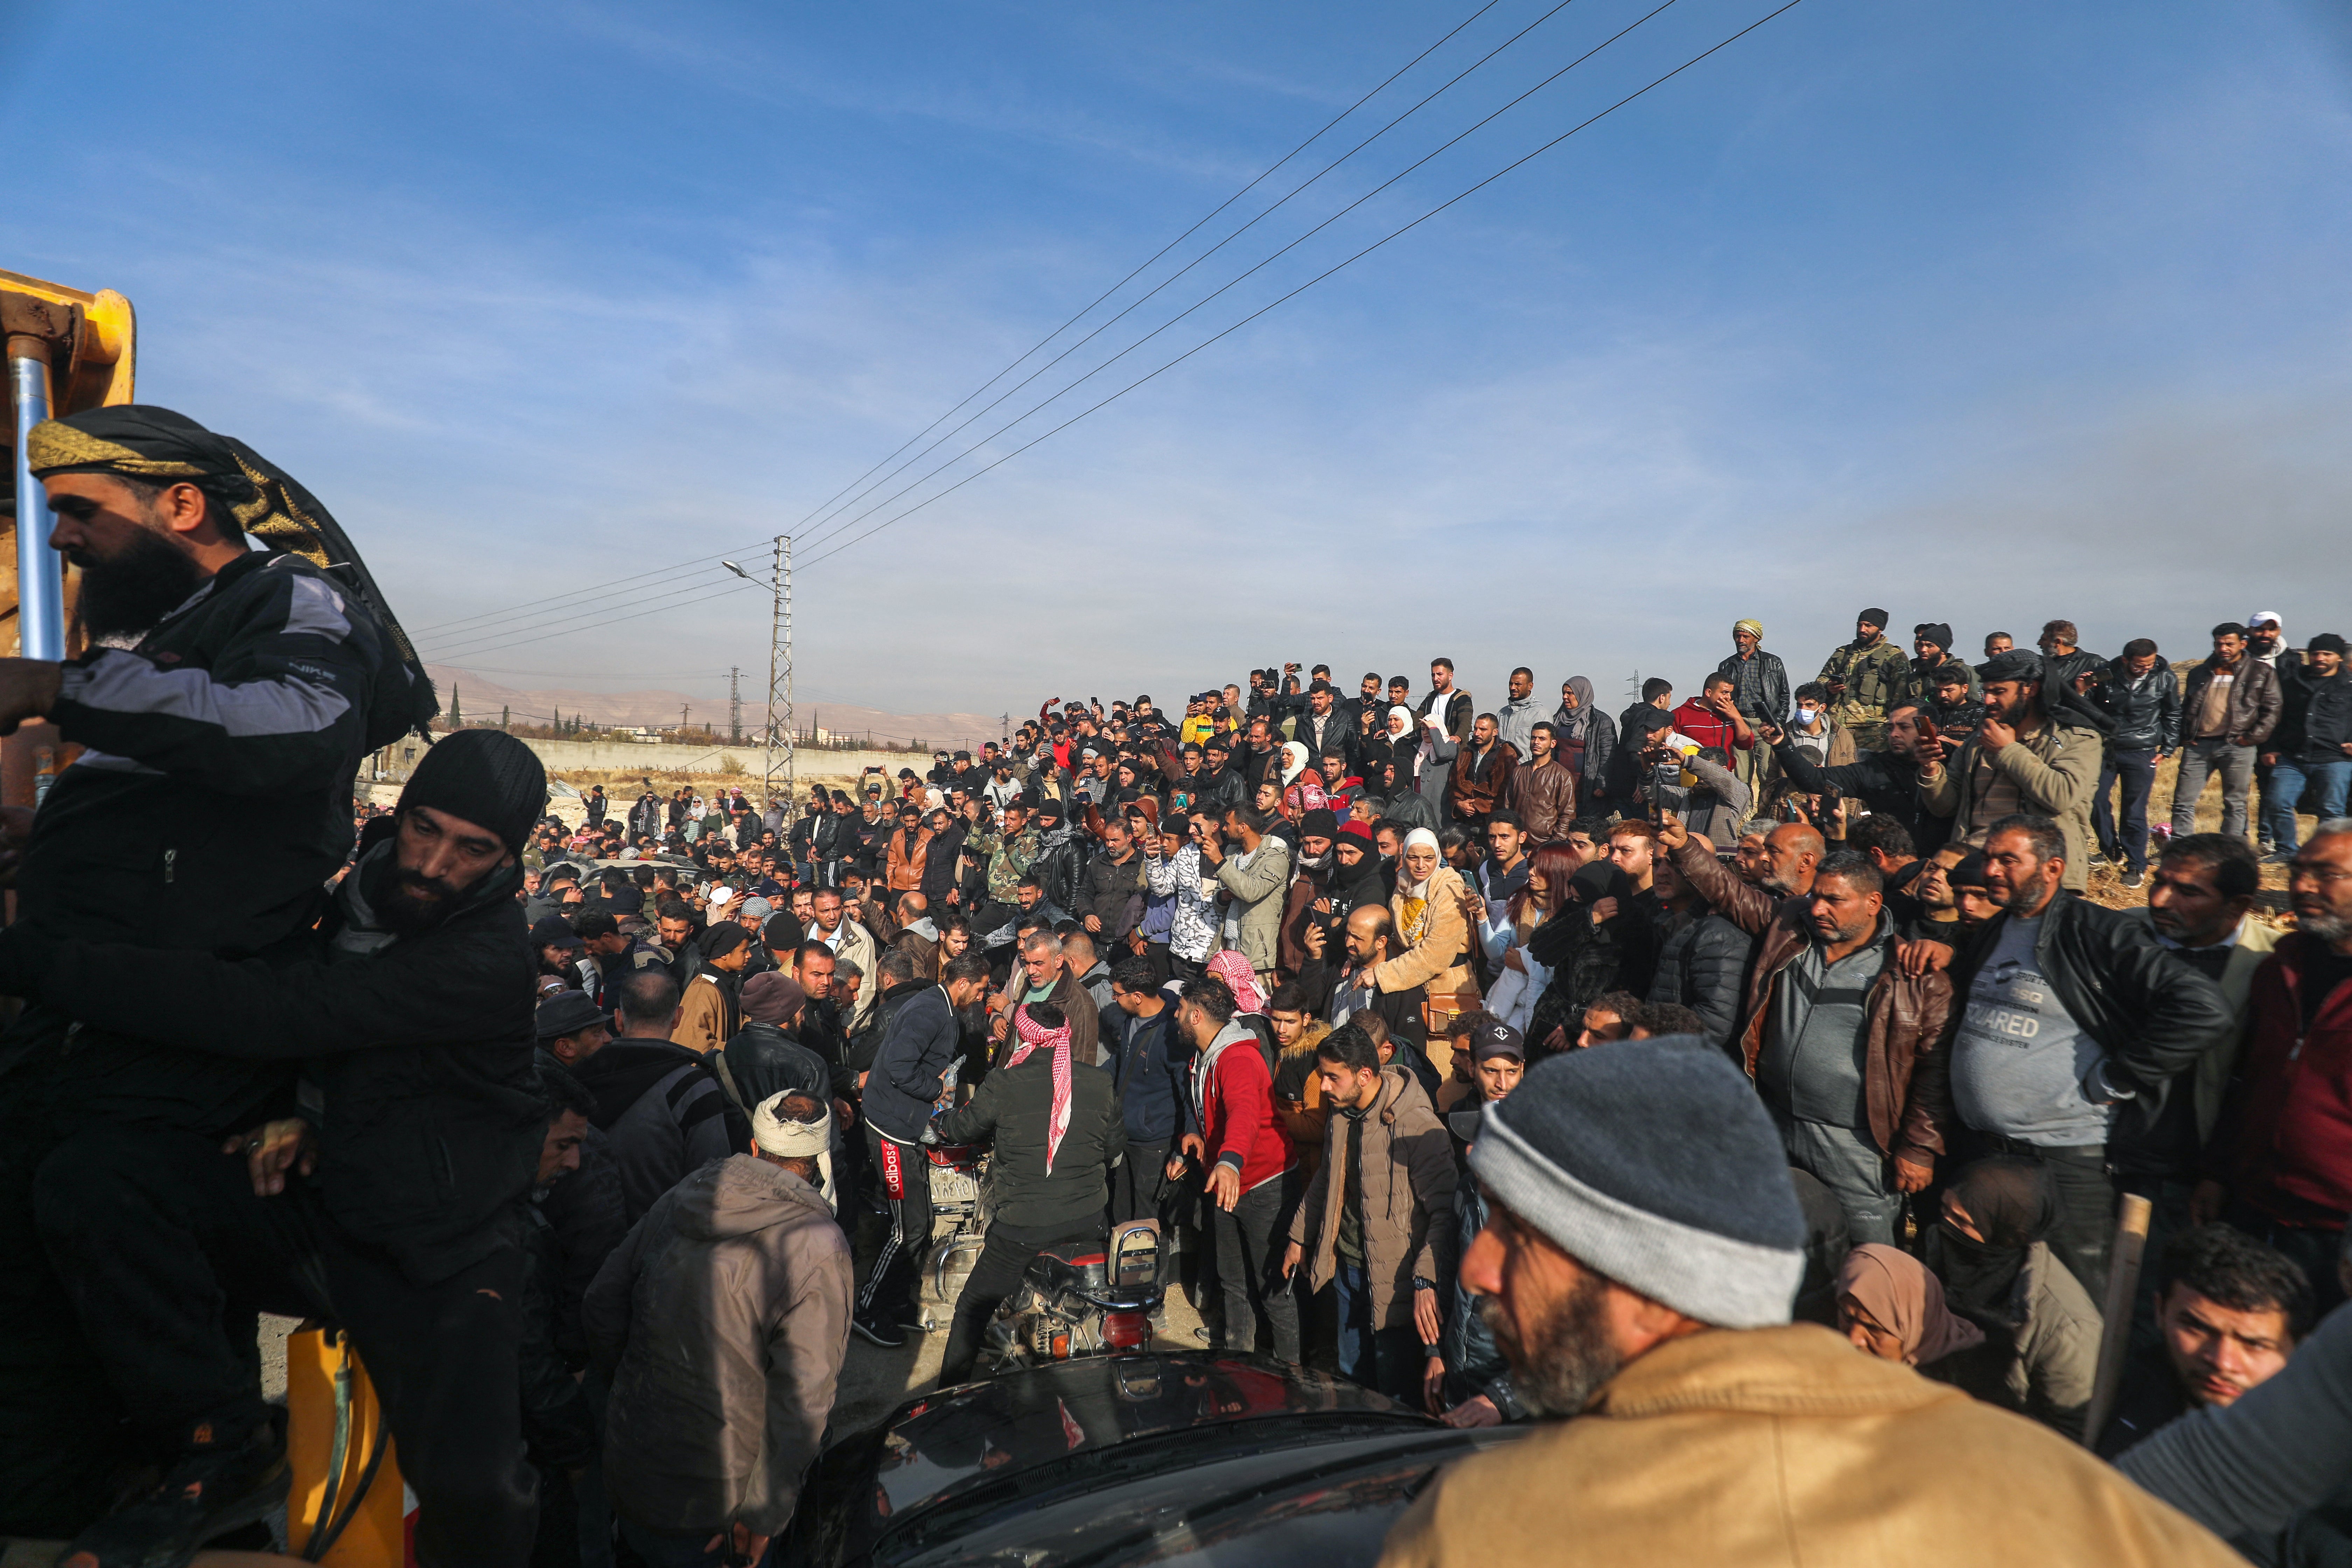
(2106, 882)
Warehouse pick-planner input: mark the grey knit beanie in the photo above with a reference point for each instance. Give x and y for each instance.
(1653, 1163)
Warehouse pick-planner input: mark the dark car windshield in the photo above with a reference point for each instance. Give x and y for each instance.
(1091, 1471)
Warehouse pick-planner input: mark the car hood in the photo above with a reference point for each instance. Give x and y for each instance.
(1072, 1456)
(934, 1446)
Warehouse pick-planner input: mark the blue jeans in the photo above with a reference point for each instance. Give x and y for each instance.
(1388, 1360)
(2325, 781)
(2127, 842)
(2200, 760)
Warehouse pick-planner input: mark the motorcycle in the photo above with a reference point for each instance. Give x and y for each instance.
(1079, 1301)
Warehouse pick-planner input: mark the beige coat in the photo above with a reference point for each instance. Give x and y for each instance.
(1408, 1193)
(1789, 1448)
(2056, 771)
(1436, 965)
(722, 1320)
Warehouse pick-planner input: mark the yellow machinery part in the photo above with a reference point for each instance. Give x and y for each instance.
(375, 1531)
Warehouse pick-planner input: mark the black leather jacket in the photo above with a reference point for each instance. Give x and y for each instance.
(2153, 1015)
(2147, 709)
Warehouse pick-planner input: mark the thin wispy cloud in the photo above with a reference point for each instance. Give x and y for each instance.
(1873, 309)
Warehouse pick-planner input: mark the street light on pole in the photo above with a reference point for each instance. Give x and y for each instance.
(780, 669)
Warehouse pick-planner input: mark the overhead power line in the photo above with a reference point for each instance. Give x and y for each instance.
(1337, 266)
(1267, 174)
(827, 525)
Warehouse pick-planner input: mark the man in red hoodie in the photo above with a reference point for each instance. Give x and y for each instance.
(2281, 1158)
(1712, 718)
(1250, 1186)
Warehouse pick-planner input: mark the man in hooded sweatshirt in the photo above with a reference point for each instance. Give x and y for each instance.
(722, 1320)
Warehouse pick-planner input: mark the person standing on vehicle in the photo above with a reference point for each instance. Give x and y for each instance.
(1056, 1129)
(225, 698)
(1249, 1186)
(1647, 1294)
(721, 1322)
(1377, 1223)
(383, 1193)
(897, 1096)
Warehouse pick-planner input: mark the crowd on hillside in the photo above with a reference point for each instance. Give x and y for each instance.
(1745, 1075)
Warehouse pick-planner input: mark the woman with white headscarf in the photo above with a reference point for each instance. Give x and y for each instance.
(1432, 938)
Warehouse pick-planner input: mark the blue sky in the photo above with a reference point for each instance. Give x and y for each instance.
(1985, 314)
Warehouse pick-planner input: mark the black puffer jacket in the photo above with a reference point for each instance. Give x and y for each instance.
(1701, 967)
(2146, 707)
(2153, 1015)
(427, 1100)
(2315, 716)
(1012, 1109)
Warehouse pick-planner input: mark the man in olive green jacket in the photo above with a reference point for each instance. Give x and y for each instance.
(2019, 760)
(1864, 676)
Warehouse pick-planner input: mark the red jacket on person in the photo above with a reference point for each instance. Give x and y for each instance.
(2285, 1144)
(1705, 726)
(1238, 1120)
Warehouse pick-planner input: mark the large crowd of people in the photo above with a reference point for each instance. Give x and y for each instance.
(1747, 1060)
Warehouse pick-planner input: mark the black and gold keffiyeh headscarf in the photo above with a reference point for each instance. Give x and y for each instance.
(156, 446)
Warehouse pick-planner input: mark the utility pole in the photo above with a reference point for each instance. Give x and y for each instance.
(735, 703)
(683, 710)
(780, 752)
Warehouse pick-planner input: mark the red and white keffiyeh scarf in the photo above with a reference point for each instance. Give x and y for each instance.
(1034, 1034)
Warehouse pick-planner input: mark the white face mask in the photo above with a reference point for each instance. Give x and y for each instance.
(1806, 716)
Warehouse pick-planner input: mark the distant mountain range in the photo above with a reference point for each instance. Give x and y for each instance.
(479, 697)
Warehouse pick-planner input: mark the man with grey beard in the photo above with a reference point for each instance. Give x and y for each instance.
(1643, 1249)
(2280, 1165)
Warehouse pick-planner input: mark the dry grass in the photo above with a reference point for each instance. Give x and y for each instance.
(2106, 882)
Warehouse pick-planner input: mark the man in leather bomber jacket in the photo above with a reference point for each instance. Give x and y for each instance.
(2144, 695)
(2152, 1017)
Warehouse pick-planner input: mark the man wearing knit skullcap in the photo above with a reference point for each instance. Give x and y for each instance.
(226, 698)
(404, 1036)
(1863, 677)
(1642, 1247)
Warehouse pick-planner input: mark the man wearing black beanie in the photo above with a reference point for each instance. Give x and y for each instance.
(1642, 1247)
(381, 1196)
(1863, 676)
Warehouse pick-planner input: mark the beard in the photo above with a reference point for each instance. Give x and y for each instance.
(1570, 1357)
(129, 591)
(414, 903)
(2328, 928)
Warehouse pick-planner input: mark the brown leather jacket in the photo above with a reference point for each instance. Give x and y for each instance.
(904, 867)
(1906, 1079)
(1545, 797)
(1469, 797)
(2254, 702)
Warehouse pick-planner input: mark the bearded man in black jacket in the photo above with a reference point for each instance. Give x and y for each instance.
(383, 1194)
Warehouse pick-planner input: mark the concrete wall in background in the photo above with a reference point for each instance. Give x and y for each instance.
(392, 764)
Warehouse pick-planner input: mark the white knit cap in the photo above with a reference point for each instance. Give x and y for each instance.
(794, 1140)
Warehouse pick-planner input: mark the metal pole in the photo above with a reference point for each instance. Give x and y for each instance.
(41, 578)
(792, 756)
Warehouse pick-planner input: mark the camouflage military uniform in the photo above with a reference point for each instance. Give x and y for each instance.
(1872, 677)
(1007, 861)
